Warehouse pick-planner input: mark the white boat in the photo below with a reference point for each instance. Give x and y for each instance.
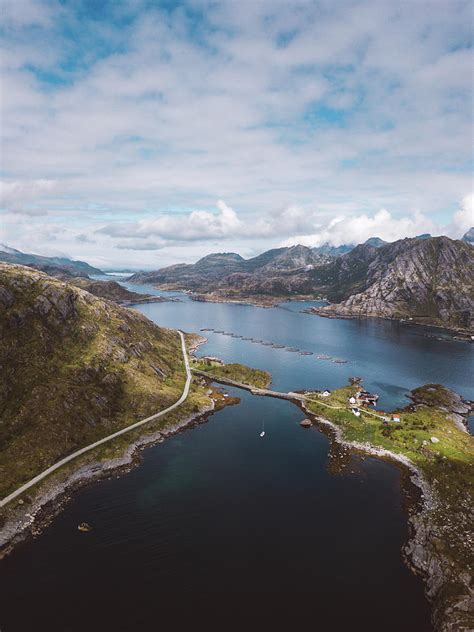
(262, 434)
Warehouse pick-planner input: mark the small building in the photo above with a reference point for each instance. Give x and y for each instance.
(326, 393)
(211, 360)
(355, 411)
(352, 400)
(396, 418)
(364, 397)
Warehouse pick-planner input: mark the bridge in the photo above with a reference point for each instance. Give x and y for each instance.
(290, 396)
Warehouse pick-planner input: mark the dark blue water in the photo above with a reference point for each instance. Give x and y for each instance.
(217, 523)
(220, 516)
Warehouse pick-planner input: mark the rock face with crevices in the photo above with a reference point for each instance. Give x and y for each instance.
(428, 280)
(73, 368)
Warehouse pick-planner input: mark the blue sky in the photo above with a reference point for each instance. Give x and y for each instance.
(145, 133)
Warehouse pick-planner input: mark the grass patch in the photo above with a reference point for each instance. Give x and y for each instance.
(236, 372)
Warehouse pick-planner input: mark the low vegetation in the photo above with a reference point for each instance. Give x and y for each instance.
(74, 369)
(236, 372)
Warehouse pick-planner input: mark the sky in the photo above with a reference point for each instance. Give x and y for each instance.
(142, 133)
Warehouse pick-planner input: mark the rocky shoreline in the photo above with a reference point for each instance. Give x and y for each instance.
(257, 300)
(420, 552)
(30, 521)
(324, 312)
(148, 299)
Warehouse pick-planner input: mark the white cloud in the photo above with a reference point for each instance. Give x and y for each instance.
(296, 114)
(356, 229)
(16, 195)
(197, 225)
(464, 218)
(136, 244)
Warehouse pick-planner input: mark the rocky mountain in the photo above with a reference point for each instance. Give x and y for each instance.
(74, 368)
(376, 242)
(213, 268)
(332, 251)
(426, 280)
(469, 236)
(60, 266)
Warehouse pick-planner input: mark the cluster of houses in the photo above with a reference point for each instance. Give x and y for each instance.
(363, 398)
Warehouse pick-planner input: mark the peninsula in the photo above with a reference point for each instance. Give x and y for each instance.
(429, 440)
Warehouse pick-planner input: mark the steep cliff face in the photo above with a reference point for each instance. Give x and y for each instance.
(345, 275)
(428, 280)
(74, 368)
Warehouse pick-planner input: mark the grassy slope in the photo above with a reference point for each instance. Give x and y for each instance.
(235, 372)
(74, 369)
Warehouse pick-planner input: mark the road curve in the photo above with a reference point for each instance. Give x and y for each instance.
(74, 455)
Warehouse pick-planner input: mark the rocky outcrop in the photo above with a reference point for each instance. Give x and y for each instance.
(445, 400)
(429, 281)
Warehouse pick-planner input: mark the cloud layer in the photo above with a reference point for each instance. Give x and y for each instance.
(123, 123)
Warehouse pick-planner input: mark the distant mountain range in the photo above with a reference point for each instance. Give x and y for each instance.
(427, 279)
(54, 266)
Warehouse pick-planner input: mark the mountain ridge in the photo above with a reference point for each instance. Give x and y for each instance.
(427, 280)
(297, 272)
(60, 265)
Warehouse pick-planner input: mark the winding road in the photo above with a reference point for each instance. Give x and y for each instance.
(74, 455)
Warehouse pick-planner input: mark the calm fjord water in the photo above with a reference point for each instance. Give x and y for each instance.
(218, 516)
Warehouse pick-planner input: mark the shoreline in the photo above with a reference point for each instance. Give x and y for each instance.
(261, 300)
(29, 521)
(419, 552)
(269, 301)
(55, 494)
(462, 334)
